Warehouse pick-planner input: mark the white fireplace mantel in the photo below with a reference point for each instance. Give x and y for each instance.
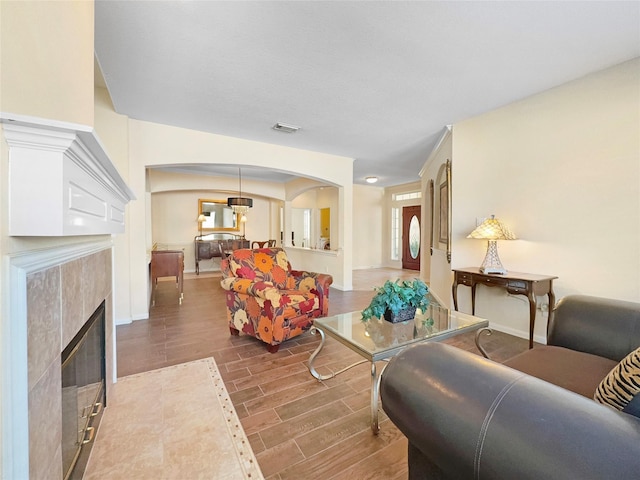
(61, 180)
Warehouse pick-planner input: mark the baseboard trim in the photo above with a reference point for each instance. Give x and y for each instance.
(127, 321)
(517, 333)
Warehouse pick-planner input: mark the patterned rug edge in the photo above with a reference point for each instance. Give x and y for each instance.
(243, 448)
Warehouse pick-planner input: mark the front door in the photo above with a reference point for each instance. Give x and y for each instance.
(411, 237)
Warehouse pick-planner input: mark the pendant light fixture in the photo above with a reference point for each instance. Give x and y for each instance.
(240, 204)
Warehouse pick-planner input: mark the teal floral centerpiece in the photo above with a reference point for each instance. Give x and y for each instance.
(397, 301)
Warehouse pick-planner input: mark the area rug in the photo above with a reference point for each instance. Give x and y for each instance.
(172, 423)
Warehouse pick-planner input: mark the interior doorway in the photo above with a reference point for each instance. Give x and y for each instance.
(411, 237)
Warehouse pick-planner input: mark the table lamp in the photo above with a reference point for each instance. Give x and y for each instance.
(201, 218)
(492, 230)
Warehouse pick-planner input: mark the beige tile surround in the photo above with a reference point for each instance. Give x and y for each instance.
(59, 301)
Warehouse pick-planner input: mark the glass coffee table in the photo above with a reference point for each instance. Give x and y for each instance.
(378, 340)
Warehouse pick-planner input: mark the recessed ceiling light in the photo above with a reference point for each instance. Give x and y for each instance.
(371, 179)
(283, 127)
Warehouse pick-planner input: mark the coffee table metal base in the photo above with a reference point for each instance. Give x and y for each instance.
(375, 378)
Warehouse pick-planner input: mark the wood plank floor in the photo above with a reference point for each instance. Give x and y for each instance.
(299, 428)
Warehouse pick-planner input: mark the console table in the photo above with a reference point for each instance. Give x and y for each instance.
(516, 283)
(207, 249)
(167, 263)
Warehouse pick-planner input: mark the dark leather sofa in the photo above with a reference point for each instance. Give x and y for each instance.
(467, 417)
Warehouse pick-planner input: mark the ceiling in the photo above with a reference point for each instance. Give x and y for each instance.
(373, 81)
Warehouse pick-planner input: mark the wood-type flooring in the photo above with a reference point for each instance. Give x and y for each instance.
(299, 428)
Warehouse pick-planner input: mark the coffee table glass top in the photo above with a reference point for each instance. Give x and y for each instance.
(378, 339)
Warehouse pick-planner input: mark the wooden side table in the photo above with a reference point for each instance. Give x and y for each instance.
(167, 263)
(516, 283)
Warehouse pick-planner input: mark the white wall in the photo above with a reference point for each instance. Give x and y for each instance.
(562, 170)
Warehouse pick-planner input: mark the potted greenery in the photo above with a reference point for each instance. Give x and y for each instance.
(397, 301)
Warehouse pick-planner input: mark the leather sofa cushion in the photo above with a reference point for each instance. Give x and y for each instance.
(578, 372)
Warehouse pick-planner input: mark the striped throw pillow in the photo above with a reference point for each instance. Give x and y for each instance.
(622, 383)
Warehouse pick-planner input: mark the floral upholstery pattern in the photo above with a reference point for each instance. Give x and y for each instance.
(269, 300)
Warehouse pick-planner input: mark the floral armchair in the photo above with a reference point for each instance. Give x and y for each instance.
(267, 299)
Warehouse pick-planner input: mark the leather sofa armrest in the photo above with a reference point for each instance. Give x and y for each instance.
(470, 417)
(600, 326)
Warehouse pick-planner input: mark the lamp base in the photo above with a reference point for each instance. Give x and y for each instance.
(492, 263)
(493, 270)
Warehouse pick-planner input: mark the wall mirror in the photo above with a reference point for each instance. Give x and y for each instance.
(218, 216)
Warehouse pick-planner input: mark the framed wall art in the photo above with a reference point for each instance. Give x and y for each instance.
(444, 222)
(431, 214)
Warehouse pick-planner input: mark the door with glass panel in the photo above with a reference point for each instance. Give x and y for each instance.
(411, 237)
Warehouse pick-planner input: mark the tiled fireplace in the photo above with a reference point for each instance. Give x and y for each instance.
(59, 300)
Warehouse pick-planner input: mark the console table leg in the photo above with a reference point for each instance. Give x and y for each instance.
(473, 299)
(454, 294)
(533, 305)
(552, 304)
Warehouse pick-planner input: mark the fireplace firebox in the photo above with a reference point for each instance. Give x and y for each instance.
(83, 393)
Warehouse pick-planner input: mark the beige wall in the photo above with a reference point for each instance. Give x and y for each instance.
(368, 233)
(47, 60)
(562, 170)
(152, 145)
(43, 78)
(174, 209)
(113, 130)
(435, 268)
(174, 226)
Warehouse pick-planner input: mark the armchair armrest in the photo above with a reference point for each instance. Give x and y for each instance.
(322, 280)
(319, 282)
(600, 326)
(469, 417)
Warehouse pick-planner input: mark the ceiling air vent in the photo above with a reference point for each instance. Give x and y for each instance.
(283, 127)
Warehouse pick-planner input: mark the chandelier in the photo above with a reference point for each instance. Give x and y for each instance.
(240, 204)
